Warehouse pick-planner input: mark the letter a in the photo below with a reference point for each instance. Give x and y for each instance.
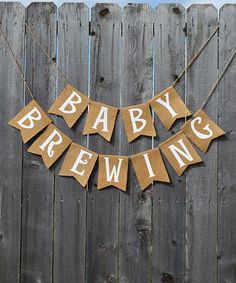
(102, 118)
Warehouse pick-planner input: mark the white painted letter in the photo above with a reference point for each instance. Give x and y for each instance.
(102, 118)
(174, 149)
(71, 102)
(79, 160)
(136, 119)
(115, 172)
(29, 116)
(149, 167)
(49, 141)
(166, 104)
(206, 128)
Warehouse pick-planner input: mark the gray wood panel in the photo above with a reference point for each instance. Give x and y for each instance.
(12, 17)
(136, 206)
(169, 200)
(51, 229)
(103, 205)
(201, 180)
(38, 182)
(226, 149)
(70, 196)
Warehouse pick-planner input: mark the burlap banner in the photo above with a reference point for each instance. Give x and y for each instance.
(179, 152)
(101, 119)
(79, 163)
(112, 171)
(149, 167)
(169, 107)
(201, 130)
(30, 120)
(50, 145)
(138, 121)
(70, 104)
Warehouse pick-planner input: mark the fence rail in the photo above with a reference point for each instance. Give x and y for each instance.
(51, 229)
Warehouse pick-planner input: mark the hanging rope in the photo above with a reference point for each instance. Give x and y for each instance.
(218, 81)
(195, 57)
(46, 53)
(16, 62)
(174, 83)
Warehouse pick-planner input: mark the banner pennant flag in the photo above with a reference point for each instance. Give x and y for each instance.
(149, 167)
(179, 152)
(138, 121)
(169, 107)
(30, 120)
(70, 104)
(112, 171)
(79, 163)
(201, 130)
(101, 119)
(50, 145)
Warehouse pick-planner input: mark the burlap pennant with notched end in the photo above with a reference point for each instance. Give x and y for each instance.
(112, 171)
(138, 121)
(201, 130)
(169, 107)
(79, 163)
(179, 152)
(30, 120)
(70, 104)
(101, 119)
(50, 145)
(149, 167)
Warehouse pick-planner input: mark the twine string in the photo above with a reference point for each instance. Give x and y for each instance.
(46, 53)
(17, 63)
(195, 56)
(212, 90)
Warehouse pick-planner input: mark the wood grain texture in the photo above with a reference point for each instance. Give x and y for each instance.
(103, 205)
(70, 196)
(135, 205)
(38, 182)
(226, 149)
(201, 180)
(51, 229)
(169, 200)
(12, 17)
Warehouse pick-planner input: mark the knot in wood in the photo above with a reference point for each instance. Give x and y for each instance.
(176, 10)
(104, 12)
(167, 278)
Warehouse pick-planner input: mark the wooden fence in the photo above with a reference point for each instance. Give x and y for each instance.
(51, 229)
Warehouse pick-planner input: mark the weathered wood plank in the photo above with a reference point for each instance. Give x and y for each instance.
(201, 181)
(38, 182)
(226, 149)
(12, 17)
(103, 206)
(135, 205)
(168, 200)
(70, 196)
